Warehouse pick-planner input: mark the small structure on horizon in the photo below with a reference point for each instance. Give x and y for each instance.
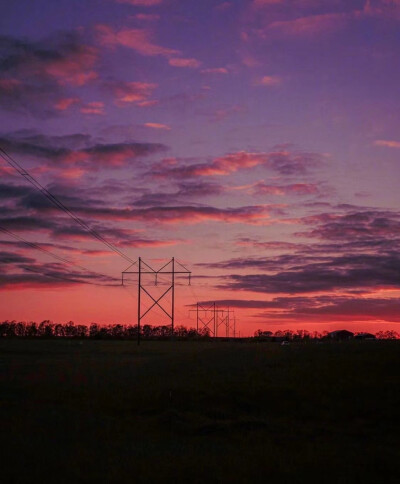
(341, 335)
(368, 336)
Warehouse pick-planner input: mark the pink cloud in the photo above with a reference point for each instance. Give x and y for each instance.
(73, 173)
(125, 239)
(23, 284)
(66, 103)
(150, 17)
(221, 114)
(149, 103)
(230, 163)
(308, 26)
(253, 215)
(133, 93)
(157, 126)
(91, 157)
(270, 245)
(149, 243)
(94, 107)
(283, 162)
(233, 162)
(6, 170)
(93, 253)
(215, 70)
(269, 81)
(261, 188)
(110, 157)
(74, 68)
(63, 58)
(141, 3)
(263, 3)
(139, 40)
(387, 143)
(9, 84)
(250, 61)
(181, 62)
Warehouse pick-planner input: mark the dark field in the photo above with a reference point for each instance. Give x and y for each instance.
(196, 412)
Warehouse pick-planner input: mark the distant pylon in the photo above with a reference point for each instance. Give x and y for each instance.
(219, 317)
(225, 320)
(231, 325)
(168, 268)
(203, 317)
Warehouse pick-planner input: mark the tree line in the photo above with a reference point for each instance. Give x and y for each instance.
(303, 335)
(48, 329)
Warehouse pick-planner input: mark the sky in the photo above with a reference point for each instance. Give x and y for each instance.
(256, 141)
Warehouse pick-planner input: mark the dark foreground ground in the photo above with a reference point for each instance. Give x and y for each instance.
(199, 412)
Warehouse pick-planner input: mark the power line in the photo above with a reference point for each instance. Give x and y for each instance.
(33, 245)
(36, 246)
(24, 173)
(58, 276)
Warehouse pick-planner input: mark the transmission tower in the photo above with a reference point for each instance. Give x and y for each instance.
(168, 269)
(203, 317)
(212, 317)
(224, 319)
(232, 326)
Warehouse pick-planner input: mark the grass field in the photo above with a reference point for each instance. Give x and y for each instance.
(199, 412)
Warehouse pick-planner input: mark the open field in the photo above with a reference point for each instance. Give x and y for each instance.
(96, 411)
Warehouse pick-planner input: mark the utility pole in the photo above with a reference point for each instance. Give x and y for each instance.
(167, 269)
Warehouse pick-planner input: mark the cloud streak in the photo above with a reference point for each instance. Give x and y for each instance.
(253, 215)
(328, 309)
(387, 143)
(62, 58)
(61, 153)
(141, 3)
(282, 162)
(359, 252)
(128, 93)
(184, 62)
(139, 40)
(309, 26)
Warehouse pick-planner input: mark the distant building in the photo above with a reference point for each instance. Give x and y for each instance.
(341, 335)
(368, 336)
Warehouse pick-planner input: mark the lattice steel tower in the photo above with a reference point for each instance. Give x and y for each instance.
(167, 269)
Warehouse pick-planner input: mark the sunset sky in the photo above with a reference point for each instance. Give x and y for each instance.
(257, 141)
